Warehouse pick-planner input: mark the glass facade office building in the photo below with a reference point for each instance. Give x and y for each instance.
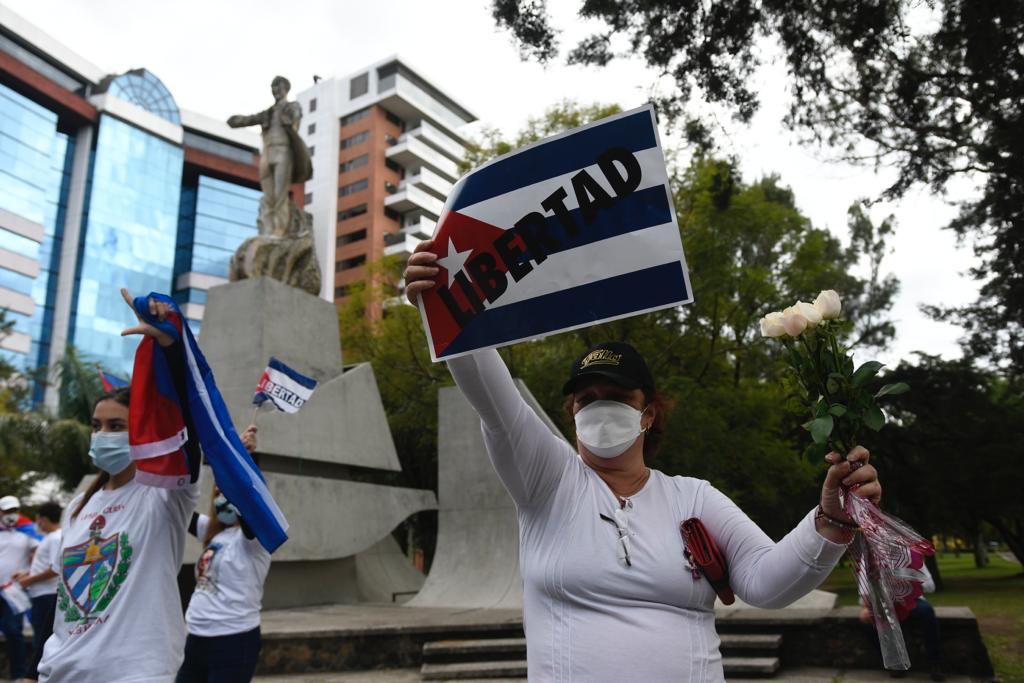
(105, 183)
(33, 189)
(216, 216)
(128, 238)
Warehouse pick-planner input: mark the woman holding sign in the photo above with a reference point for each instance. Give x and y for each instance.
(118, 612)
(609, 589)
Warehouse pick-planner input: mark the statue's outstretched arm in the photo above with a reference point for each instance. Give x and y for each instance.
(243, 120)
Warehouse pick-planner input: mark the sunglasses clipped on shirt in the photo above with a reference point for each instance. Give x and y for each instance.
(621, 522)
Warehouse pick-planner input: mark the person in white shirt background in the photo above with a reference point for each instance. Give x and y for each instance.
(606, 596)
(41, 582)
(16, 549)
(118, 612)
(223, 616)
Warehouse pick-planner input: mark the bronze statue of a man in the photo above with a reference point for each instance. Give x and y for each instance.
(285, 158)
(284, 249)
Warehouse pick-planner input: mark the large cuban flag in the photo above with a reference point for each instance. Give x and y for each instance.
(567, 232)
(174, 408)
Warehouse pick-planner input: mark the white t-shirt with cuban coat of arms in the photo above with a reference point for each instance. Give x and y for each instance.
(118, 614)
(229, 583)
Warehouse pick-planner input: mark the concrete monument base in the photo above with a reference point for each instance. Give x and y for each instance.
(339, 548)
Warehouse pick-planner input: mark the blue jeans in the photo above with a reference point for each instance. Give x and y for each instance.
(220, 659)
(11, 625)
(924, 613)
(43, 608)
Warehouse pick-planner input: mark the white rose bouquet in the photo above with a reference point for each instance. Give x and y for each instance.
(887, 555)
(839, 397)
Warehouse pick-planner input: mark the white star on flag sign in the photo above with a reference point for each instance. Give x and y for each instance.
(454, 262)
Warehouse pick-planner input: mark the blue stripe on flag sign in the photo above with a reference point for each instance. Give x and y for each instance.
(554, 157)
(616, 297)
(637, 211)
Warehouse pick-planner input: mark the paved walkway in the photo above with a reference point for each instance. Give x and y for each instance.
(791, 676)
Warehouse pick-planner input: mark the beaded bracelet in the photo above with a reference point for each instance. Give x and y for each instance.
(833, 521)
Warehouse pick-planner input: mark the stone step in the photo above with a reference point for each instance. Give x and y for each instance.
(750, 642)
(488, 648)
(461, 671)
(750, 666)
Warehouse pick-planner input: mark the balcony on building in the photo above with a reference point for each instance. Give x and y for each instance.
(419, 225)
(400, 244)
(428, 181)
(413, 98)
(411, 198)
(412, 152)
(427, 132)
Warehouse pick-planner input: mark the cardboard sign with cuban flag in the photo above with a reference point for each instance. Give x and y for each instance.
(573, 230)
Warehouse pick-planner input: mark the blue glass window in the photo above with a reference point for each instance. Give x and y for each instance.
(33, 158)
(129, 237)
(216, 216)
(142, 88)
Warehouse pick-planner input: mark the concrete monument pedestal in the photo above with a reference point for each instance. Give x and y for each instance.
(308, 458)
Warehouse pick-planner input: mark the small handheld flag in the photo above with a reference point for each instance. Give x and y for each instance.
(111, 382)
(285, 388)
(26, 526)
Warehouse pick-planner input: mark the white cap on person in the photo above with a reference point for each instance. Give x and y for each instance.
(9, 503)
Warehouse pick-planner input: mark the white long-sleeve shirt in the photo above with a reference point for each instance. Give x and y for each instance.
(587, 615)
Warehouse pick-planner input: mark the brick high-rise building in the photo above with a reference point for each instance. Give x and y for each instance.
(386, 146)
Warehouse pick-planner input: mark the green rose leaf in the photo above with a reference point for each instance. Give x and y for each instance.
(837, 409)
(820, 408)
(821, 428)
(815, 452)
(893, 389)
(865, 372)
(874, 418)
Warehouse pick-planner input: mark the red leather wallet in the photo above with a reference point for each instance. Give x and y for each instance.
(706, 557)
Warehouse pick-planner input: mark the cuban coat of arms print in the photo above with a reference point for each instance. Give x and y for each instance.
(92, 573)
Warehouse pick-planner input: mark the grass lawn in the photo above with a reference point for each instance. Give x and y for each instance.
(995, 594)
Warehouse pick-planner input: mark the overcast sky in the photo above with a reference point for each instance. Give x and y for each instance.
(217, 57)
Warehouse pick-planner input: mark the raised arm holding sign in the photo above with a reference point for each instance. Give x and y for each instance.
(572, 231)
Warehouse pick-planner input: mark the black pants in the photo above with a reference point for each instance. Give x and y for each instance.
(43, 608)
(220, 659)
(11, 626)
(924, 613)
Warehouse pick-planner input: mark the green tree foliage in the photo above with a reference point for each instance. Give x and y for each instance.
(20, 434)
(749, 250)
(14, 386)
(79, 386)
(563, 116)
(34, 444)
(953, 453)
(934, 91)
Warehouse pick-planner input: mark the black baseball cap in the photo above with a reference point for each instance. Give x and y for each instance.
(616, 361)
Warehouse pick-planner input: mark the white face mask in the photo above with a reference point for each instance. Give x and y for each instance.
(9, 519)
(608, 428)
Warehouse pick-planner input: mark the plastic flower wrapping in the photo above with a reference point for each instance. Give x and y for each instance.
(886, 554)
